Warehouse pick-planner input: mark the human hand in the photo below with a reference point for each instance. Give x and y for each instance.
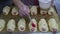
(24, 10)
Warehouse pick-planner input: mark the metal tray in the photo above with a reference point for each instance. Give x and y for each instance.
(37, 17)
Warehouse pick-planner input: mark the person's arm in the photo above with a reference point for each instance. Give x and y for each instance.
(18, 3)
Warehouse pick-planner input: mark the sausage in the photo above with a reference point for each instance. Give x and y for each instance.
(33, 10)
(33, 25)
(43, 12)
(43, 27)
(14, 11)
(21, 24)
(11, 25)
(53, 25)
(2, 24)
(6, 10)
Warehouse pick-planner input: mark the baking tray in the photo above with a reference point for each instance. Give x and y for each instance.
(37, 17)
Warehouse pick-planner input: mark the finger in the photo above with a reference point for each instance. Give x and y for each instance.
(28, 16)
(28, 10)
(23, 13)
(26, 13)
(20, 13)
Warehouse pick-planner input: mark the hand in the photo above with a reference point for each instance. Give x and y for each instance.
(24, 10)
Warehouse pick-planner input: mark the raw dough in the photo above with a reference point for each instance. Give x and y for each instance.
(33, 25)
(21, 24)
(53, 25)
(33, 10)
(14, 11)
(11, 25)
(2, 24)
(6, 10)
(51, 11)
(43, 27)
